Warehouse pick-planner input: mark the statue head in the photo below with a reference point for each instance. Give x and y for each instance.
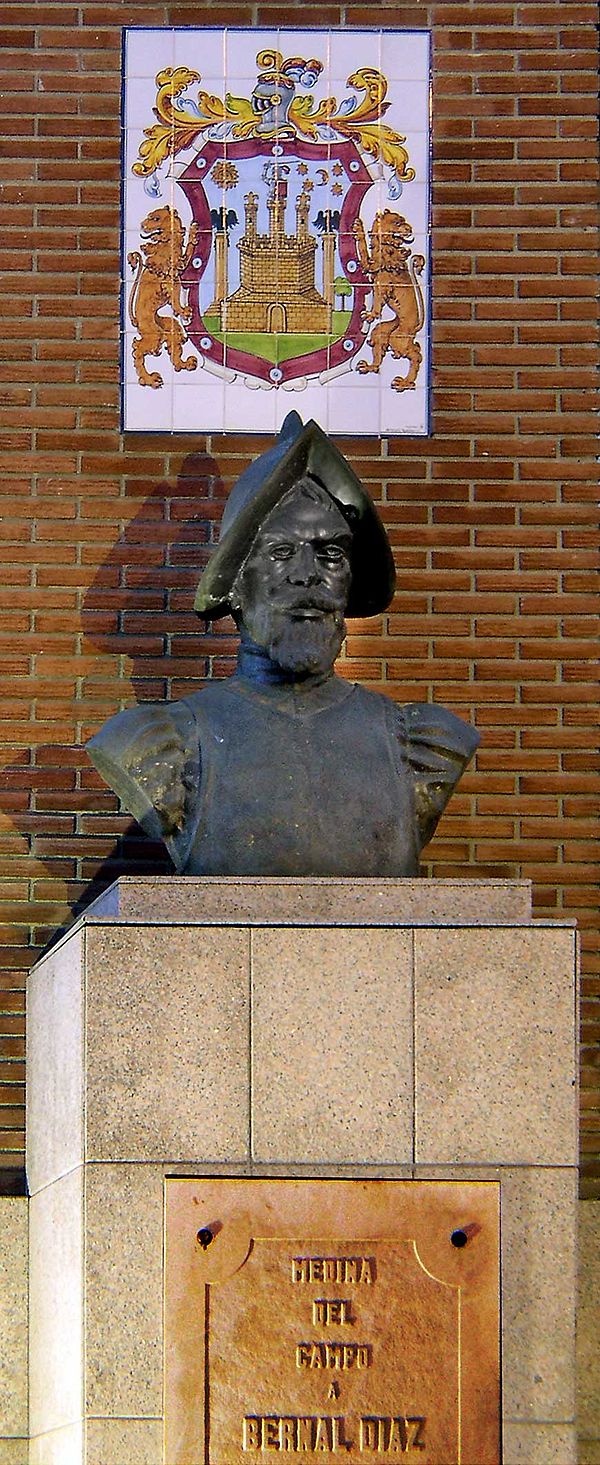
(290, 595)
(301, 545)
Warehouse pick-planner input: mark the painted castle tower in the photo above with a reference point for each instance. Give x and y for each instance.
(277, 291)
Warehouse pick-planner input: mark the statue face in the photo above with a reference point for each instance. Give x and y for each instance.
(291, 593)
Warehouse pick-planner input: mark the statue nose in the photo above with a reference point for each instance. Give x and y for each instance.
(304, 569)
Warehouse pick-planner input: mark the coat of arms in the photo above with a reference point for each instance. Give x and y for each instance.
(281, 237)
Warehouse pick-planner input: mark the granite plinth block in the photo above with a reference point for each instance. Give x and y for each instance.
(144, 1076)
(59, 1446)
(190, 1007)
(322, 1001)
(538, 1217)
(588, 1325)
(269, 901)
(540, 1444)
(123, 1225)
(13, 1322)
(137, 1441)
(495, 1047)
(335, 1036)
(55, 1041)
(56, 1303)
(539, 1222)
(101, 1442)
(14, 1452)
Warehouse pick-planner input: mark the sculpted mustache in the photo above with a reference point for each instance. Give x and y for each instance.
(316, 602)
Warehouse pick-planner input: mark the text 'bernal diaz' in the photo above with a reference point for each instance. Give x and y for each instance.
(387, 1434)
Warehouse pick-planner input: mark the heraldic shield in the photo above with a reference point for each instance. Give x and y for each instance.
(275, 285)
(276, 230)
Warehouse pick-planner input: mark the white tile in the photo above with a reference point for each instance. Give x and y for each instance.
(417, 147)
(145, 412)
(250, 410)
(140, 97)
(242, 48)
(201, 49)
(241, 83)
(148, 51)
(394, 369)
(350, 50)
(309, 400)
(410, 106)
(404, 412)
(406, 55)
(308, 44)
(200, 407)
(354, 411)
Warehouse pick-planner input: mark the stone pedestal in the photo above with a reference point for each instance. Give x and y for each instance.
(212, 1027)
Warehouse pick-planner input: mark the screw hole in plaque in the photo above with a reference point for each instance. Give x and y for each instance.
(459, 1237)
(207, 1234)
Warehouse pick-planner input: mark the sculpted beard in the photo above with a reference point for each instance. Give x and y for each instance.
(299, 643)
(306, 645)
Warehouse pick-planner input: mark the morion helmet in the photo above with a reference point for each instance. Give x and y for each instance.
(300, 451)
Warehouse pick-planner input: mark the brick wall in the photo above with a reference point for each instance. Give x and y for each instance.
(493, 519)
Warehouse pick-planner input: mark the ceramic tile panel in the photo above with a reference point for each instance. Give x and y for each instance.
(276, 229)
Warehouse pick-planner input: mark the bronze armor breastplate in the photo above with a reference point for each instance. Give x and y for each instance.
(301, 785)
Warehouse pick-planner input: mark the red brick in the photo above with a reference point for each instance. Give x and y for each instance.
(492, 519)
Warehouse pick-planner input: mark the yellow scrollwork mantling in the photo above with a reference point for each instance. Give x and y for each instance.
(177, 128)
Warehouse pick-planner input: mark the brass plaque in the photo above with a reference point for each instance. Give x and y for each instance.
(353, 1319)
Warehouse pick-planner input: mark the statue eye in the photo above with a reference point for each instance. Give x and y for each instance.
(334, 554)
(282, 551)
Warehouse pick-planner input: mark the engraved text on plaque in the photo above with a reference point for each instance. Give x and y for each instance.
(346, 1319)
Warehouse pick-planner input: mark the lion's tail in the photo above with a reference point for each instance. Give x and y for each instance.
(134, 261)
(415, 268)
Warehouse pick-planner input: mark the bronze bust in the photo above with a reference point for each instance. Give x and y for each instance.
(285, 768)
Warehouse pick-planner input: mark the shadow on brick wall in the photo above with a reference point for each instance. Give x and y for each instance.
(141, 636)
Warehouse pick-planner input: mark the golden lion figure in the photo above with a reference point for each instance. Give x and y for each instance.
(393, 274)
(157, 283)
